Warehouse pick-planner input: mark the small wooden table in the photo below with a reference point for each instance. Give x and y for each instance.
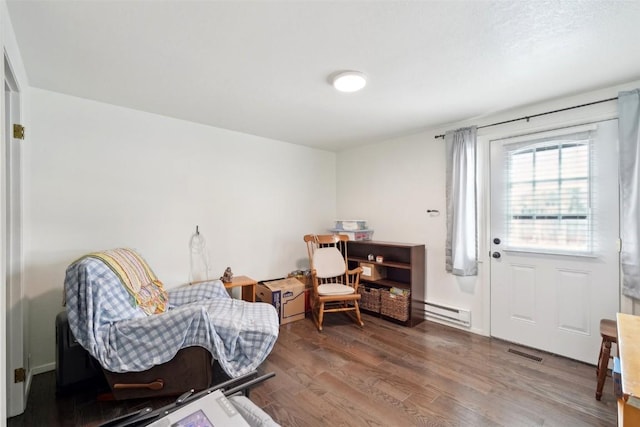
(248, 287)
(629, 353)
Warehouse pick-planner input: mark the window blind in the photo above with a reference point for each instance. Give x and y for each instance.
(549, 195)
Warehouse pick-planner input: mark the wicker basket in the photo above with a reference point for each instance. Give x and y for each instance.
(395, 306)
(370, 299)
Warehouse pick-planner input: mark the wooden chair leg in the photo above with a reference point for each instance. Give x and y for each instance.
(320, 316)
(314, 312)
(360, 322)
(603, 366)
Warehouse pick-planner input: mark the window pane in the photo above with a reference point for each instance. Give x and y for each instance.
(547, 164)
(548, 194)
(575, 197)
(521, 167)
(520, 199)
(575, 161)
(547, 198)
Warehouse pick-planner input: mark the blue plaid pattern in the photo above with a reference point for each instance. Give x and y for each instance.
(106, 322)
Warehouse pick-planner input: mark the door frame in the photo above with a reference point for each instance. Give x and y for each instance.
(12, 246)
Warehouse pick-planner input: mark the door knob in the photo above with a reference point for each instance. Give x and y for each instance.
(496, 255)
(496, 241)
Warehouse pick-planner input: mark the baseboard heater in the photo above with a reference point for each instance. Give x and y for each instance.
(458, 316)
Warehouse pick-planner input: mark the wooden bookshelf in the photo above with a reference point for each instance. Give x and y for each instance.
(404, 264)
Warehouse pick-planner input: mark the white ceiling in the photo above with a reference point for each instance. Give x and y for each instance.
(262, 67)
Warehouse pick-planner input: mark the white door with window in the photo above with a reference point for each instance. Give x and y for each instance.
(554, 238)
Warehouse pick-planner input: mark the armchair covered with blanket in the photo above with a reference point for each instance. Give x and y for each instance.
(122, 315)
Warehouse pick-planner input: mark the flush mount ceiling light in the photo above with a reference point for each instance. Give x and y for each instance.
(349, 81)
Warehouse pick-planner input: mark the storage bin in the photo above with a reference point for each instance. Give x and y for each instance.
(370, 298)
(395, 305)
(355, 235)
(351, 224)
(372, 271)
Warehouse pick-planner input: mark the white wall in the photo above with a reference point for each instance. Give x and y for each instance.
(102, 176)
(393, 183)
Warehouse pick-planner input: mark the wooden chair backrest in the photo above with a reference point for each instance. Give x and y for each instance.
(315, 241)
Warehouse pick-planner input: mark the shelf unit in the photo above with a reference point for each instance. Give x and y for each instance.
(405, 269)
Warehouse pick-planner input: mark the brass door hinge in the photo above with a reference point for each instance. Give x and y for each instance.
(19, 375)
(18, 131)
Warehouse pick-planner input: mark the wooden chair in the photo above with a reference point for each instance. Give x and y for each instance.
(335, 287)
(609, 334)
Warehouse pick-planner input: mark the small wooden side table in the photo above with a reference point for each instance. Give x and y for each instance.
(248, 287)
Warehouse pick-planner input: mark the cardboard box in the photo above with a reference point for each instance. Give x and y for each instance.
(286, 295)
(372, 271)
(305, 279)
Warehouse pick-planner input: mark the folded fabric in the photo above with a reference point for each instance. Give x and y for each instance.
(137, 277)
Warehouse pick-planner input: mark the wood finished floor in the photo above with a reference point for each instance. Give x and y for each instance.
(385, 375)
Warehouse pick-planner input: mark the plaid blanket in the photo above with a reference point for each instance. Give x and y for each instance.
(123, 338)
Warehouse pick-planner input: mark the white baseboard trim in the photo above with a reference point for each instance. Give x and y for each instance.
(35, 371)
(43, 368)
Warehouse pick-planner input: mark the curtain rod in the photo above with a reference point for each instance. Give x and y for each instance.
(540, 114)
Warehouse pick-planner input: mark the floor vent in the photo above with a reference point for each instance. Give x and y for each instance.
(527, 355)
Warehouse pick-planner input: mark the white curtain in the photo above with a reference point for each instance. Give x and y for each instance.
(629, 163)
(462, 235)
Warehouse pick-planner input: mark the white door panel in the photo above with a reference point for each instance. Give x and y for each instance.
(522, 294)
(573, 301)
(553, 298)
